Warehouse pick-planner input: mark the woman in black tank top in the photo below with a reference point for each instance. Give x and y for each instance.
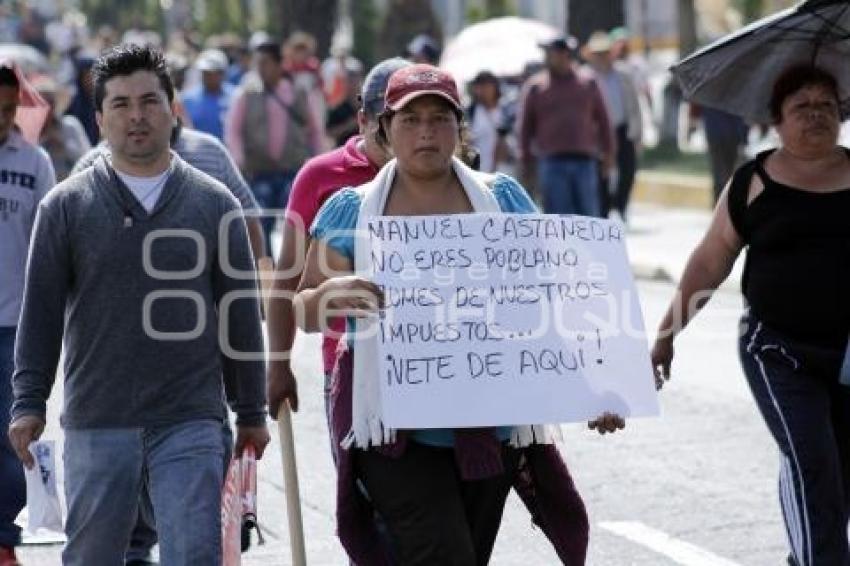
(790, 209)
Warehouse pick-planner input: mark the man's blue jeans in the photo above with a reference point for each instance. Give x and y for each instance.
(272, 192)
(13, 489)
(144, 535)
(570, 185)
(104, 472)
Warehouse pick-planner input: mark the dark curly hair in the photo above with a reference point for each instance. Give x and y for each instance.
(124, 60)
(796, 78)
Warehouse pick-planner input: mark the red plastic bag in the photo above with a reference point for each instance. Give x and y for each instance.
(231, 517)
(239, 507)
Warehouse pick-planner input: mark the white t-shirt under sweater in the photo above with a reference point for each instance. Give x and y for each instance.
(146, 189)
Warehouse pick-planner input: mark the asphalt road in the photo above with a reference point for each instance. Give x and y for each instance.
(695, 487)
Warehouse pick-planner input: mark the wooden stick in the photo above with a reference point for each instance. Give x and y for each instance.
(287, 442)
(290, 481)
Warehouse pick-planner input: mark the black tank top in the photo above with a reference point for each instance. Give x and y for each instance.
(797, 271)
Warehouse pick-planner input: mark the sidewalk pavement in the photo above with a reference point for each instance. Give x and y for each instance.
(661, 238)
(669, 214)
(673, 189)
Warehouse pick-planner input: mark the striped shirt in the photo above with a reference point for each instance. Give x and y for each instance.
(200, 150)
(26, 175)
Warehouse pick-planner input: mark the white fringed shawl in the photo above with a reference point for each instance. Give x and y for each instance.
(367, 429)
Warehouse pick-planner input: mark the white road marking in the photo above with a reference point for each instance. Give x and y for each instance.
(678, 551)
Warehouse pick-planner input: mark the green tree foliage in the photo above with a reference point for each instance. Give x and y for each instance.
(225, 16)
(404, 20)
(475, 14)
(587, 17)
(499, 8)
(124, 14)
(316, 17)
(489, 9)
(364, 19)
(687, 27)
(750, 9)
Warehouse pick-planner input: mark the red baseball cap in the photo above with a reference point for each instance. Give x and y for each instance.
(419, 80)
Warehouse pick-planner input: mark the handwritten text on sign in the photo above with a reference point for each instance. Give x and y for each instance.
(499, 319)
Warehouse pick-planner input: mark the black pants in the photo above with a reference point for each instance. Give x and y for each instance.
(724, 155)
(432, 515)
(626, 169)
(808, 413)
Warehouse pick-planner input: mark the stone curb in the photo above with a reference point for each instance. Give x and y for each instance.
(673, 190)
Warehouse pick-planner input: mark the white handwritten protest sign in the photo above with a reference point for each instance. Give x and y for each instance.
(497, 319)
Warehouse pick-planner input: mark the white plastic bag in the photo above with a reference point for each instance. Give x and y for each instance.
(44, 510)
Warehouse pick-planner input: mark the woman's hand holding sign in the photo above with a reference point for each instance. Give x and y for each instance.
(349, 295)
(327, 292)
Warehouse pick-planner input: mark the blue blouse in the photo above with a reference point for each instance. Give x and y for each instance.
(335, 225)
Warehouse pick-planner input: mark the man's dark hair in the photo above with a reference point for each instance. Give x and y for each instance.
(796, 78)
(270, 48)
(8, 77)
(124, 60)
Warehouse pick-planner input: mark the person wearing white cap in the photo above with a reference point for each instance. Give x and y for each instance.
(621, 99)
(208, 103)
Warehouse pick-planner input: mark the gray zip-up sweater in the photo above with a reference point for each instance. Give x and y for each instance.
(87, 281)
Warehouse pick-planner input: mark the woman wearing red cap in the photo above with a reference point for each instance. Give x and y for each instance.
(441, 492)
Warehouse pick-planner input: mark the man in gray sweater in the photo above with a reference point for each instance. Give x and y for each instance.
(142, 264)
(205, 153)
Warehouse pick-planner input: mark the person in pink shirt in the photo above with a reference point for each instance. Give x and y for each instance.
(353, 164)
(302, 66)
(271, 131)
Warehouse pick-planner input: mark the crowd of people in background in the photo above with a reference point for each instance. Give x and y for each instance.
(314, 106)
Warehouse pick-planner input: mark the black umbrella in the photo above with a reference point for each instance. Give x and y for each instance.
(736, 73)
